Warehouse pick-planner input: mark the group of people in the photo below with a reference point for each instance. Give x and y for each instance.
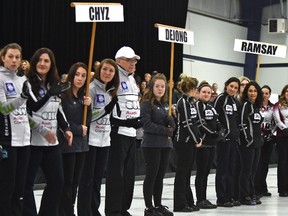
(54, 125)
(77, 138)
(237, 129)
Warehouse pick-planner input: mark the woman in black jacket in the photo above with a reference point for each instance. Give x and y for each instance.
(251, 141)
(227, 106)
(188, 137)
(210, 128)
(157, 143)
(73, 101)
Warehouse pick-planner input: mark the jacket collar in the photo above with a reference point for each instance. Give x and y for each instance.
(102, 85)
(123, 71)
(188, 98)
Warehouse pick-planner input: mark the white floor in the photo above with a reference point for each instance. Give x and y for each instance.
(271, 206)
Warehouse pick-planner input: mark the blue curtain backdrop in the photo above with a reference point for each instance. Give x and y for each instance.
(51, 23)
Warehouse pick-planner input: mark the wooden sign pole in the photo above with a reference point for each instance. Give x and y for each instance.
(257, 69)
(92, 42)
(171, 79)
(157, 25)
(173, 35)
(89, 12)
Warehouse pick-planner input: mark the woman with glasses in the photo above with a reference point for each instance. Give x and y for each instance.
(243, 82)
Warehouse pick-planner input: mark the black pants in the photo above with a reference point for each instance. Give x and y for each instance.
(249, 158)
(204, 161)
(225, 171)
(12, 180)
(260, 183)
(156, 162)
(237, 169)
(120, 175)
(282, 169)
(183, 195)
(49, 159)
(89, 196)
(72, 169)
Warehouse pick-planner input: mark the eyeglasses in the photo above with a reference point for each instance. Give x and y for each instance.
(130, 60)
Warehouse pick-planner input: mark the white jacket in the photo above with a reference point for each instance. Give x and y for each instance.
(128, 105)
(14, 123)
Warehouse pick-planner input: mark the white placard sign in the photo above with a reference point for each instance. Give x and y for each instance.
(260, 48)
(99, 13)
(176, 35)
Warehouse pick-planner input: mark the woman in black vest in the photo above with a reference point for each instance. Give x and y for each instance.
(187, 139)
(250, 141)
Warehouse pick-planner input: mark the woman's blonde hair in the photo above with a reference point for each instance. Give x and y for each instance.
(188, 83)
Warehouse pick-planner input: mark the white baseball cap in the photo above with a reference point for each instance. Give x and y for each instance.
(126, 52)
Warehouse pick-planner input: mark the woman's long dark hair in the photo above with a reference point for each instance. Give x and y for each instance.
(232, 79)
(52, 75)
(70, 78)
(259, 98)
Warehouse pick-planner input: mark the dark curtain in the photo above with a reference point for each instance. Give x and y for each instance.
(51, 23)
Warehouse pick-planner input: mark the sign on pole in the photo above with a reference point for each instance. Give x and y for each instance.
(96, 12)
(174, 35)
(99, 12)
(260, 48)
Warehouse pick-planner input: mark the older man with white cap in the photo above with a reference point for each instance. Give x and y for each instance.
(120, 174)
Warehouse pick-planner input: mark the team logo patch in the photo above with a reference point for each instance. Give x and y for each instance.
(257, 116)
(193, 111)
(209, 113)
(229, 108)
(10, 88)
(124, 86)
(100, 99)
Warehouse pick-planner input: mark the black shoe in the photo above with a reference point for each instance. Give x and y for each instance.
(185, 209)
(152, 211)
(206, 204)
(194, 207)
(256, 199)
(283, 194)
(260, 194)
(247, 201)
(225, 204)
(164, 210)
(236, 203)
(267, 194)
